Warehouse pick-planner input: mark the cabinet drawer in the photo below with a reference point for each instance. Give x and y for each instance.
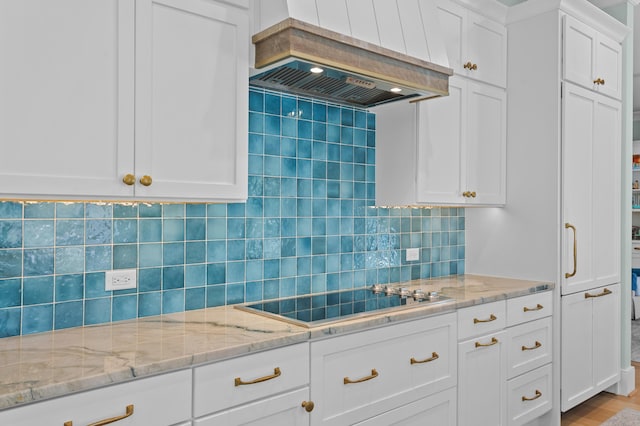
(160, 400)
(358, 376)
(529, 308)
(215, 386)
(529, 395)
(528, 346)
(481, 319)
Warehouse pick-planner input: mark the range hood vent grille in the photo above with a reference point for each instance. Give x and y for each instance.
(355, 73)
(335, 89)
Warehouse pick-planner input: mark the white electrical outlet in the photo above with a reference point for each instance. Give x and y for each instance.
(120, 279)
(413, 254)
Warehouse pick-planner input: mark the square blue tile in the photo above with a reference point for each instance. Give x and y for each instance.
(216, 296)
(124, 307)
(172, 301)
(37, 290)
(69, 287)
(173, 210)
(149, 304)
(69, 260)
(10, 234)
(36, 262)
(235, 249)
(98, 210)
(150, 210)
(173, 230)
(254, 270)
(195, 298)
(10, 210)
(125, 231)
(97, 258)
(69, 210)
(196, 210)
(38, 233)
(216, 273)
(173, 254)
(196, 252)
(10, 293)
(94, 285)
(254, 249)
(39, 210)
(97, 311)
(196, 229)
(256, 100)
(69, 232)
(150, 255)
(98, 232)
(125, 256)
(195, 275)
(9, 322)
(36, 319)
(125, 211)
(149, 279)
(216, 251)
(150, 230)
(235, 294)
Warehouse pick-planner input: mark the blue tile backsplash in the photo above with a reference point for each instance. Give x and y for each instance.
(308, 226)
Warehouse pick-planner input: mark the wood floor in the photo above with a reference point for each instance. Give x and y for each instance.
(602, 406)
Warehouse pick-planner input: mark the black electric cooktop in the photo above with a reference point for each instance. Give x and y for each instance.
(319, 309)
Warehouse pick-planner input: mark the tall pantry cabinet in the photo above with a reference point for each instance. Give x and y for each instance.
(561, 221)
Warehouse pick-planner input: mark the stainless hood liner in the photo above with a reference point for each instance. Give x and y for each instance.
(356, 73)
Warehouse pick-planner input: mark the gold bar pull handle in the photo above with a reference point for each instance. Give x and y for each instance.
(494, 341)
(604, 293)
(374, 374)
(276, 373)
(491, 318)
(599, 81)
(128, 413)
(537, 308)
(434, 356)
(575, 251)
(535, 346)
(538, 395)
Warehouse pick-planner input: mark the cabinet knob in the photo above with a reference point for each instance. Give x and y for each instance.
(146, 180)
(473, 194)
(470, 66)
(599, 81)
(129, 179)
(308, 406)
(466, 194)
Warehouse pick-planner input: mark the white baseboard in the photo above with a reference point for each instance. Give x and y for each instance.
(627, 383)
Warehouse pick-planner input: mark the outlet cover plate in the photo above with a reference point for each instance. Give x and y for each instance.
(413, 254)
(120, 279)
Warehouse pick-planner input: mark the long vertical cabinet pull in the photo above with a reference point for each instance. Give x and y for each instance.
(575, 251)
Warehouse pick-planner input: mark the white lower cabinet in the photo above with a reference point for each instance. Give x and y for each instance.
(264, 388)
(482, 381)
(529, 396)
(162, 400)
(359, 376)
(590, 343)
(284, 409)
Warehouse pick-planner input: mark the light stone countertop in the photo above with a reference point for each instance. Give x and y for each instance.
(57, 363)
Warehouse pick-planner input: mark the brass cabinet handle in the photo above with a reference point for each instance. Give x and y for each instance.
(575, 251)
(469, 66)
(484, 345)
(128, 413)
(599, 81)
(308, 406)
(491, 318)
(374, 374)
(469, 194)
(434, 356)
(636, 248)
(276, 373)
(146, 180)
(129, 179)
(473, 194)
(536, 346)
(604, 293)
(537, 308)
(538, 395)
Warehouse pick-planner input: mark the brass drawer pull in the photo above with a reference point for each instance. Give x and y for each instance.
(536, 346)
(373, 375)
(128, 413)
(276, 373)
(146, 180)
(537, 308)
(308, 406)
(538, 395)
(604, 293)
(575, 251)
(129, 179)
(434, 356)
(491, 318)
(484, 345)
(599, 81)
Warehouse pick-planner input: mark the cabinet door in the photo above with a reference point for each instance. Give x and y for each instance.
(191, 99)
(441, 133)
(66, 109)
(487, 50)
(285, 409)
(160, 400)
(438, 409)
(591, 59)
(590, 343)
(486, 144)
(482, 380)
(591, 189)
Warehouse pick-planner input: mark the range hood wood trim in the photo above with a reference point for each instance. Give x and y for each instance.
(293, 38)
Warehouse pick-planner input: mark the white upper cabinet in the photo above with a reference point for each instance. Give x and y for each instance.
(66, 110)
(123, 100)
(191, 100)
(449, 150)
(476, 45)
(591, 59)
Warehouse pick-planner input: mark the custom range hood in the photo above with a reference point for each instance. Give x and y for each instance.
(356, 52)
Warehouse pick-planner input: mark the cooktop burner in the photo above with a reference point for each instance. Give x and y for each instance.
(318, 309)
